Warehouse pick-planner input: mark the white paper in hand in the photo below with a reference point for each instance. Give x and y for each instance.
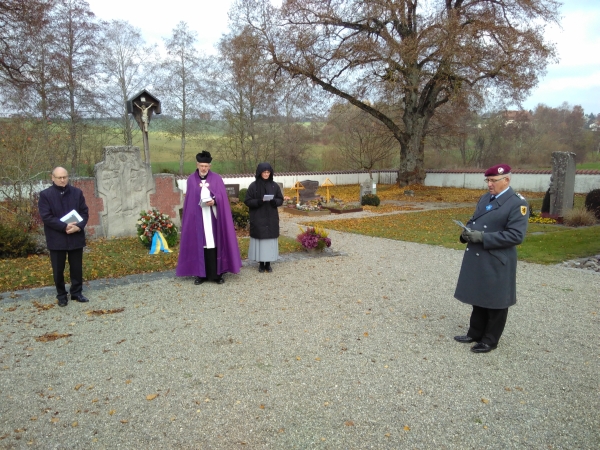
(267, 197)
(72, 217)
(460, 224)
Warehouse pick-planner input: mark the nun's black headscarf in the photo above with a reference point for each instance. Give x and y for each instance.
(264, 186)
(261, 168)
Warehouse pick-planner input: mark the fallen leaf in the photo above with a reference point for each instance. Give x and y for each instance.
(365, 334)
(95, 400)
(127, 381)
(111, 412)
(124, 421)
(406, 428)
(100, 312)
(42, 306)
(485, 400)
(49, 337)
(74, 424)
(151, 397)
(79, 386)
(262, 406)
(54, 420)
(349, 423)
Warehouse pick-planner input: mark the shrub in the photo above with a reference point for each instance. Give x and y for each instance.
(240, 214)
(15, 243)
(242, 194)
(370, 200)
(592, 202)
(314, 237)
(579, 217)
(152, 221)
(546, 202)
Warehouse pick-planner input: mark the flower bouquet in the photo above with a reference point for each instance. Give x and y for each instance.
(152, 221)
(314, 238)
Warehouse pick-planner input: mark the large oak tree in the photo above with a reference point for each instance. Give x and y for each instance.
(411, 56)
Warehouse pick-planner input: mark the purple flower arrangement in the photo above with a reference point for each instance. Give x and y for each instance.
(314, 238)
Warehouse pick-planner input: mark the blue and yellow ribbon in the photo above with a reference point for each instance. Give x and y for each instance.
(159, 244)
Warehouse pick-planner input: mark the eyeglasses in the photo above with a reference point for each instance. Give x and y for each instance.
(61, 178)
(489, 180)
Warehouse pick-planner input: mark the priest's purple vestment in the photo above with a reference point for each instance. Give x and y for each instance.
(191, 248)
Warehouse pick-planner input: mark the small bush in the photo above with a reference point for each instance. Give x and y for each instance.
(370, 200)
(242, 194)
(592, 202)
(240, 214)
(579, 217)
(15, 243)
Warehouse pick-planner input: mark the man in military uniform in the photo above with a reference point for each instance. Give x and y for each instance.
(488, 273)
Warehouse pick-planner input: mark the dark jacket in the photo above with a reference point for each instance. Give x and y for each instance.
(489, 270)
(264, 217)
(55, 202)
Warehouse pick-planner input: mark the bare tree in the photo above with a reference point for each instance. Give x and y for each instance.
(361, 141)
(126, 65)
(76, 38)
(412, 56)
(20, 22)
(180, 83)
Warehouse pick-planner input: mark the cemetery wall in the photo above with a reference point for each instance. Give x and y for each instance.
(522, 180)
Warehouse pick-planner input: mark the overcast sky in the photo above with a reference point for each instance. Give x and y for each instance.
(575, 79)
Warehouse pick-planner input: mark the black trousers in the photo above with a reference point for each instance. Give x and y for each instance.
(210, 264)
(487, 324)
(58, 259)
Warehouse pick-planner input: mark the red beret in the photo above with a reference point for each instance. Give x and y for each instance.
(500, 169)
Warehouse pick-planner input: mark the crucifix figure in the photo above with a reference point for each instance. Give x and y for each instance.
(144, 114)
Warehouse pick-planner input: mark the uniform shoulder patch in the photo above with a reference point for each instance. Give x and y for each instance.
(520, 196)
(523, 210)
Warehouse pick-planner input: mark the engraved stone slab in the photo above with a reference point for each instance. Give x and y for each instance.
(367, 187)
(310, 190)
(562, 184)
(233, 190)
(124, 182)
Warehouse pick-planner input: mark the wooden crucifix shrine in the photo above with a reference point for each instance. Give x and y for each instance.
(142, 105)
(327, 184)
(298, 187)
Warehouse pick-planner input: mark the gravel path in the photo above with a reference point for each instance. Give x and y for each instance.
(351, 349)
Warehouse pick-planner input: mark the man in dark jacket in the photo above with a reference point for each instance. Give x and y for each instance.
(488, 273)
(65, 238)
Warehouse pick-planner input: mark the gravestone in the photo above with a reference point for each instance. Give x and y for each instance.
(280, 186)
(124, 182)
(233, 190)
(562, 183)
(367, 187)
(310, 190)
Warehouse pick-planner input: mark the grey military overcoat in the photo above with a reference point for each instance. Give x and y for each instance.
(489, 270)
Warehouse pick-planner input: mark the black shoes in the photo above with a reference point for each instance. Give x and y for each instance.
(261, 269)
(265, 267)
(199, 280)
(464, 339)
(482, 348)
(63, 302)
(269, 269)
(81, 299)
(220, 280)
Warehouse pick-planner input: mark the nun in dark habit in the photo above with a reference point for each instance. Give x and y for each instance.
(263, 197)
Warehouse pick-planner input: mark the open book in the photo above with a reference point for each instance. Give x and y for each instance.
(72, 217)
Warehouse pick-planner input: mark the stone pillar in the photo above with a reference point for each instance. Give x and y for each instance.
(124, 182)
(562, 185)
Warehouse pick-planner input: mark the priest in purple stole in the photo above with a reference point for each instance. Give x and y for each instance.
(208, 247)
